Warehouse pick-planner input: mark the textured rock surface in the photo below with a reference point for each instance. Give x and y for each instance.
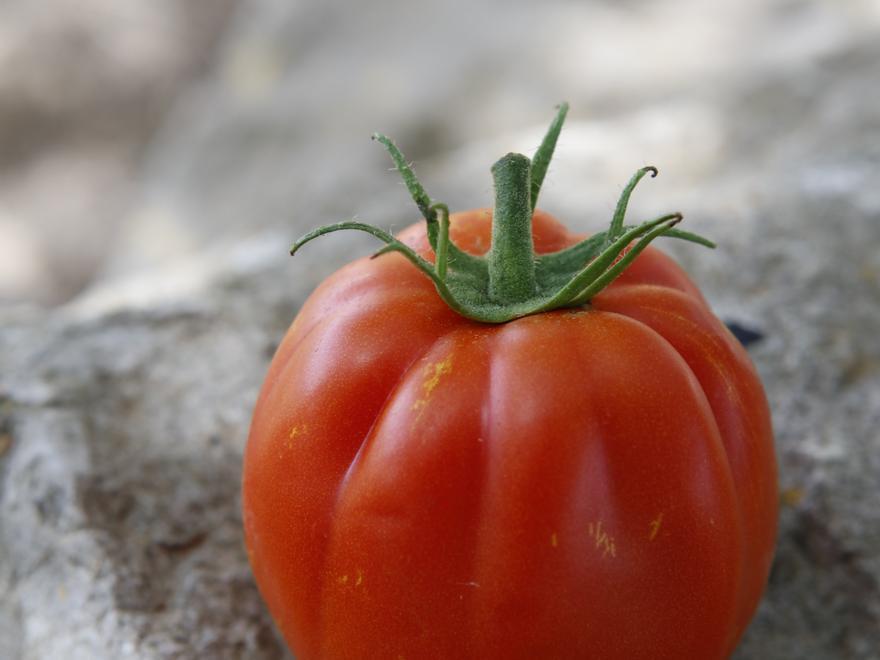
(123, 414)
(120, 524)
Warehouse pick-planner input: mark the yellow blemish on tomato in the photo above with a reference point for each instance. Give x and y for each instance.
(295, 432)
(604, 541)
(342, 579)
(655, 527)
(360, 578)
(554, 540)
(433, 373)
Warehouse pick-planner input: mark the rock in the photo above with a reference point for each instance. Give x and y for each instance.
(120, 532)
(123, 414)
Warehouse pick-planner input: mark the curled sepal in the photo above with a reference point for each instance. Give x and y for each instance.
(391, 245)
(691, 237)
(616, 228)
(620, 264)
(576, 255)
(551, 267)
(595, 270)
(427, 208)
(555, 265)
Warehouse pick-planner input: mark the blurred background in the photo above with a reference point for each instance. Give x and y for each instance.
(133, 133)
(158, 158)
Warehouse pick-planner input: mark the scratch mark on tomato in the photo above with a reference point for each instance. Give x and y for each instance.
(298, 430)
(655, 526)
(604, 541)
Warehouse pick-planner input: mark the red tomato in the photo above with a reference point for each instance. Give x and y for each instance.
(596, 482)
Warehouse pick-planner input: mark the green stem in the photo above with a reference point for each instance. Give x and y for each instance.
(512, 257)
(512, 281)
(617, 221)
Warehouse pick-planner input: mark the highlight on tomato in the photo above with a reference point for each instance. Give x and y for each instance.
(495, 438)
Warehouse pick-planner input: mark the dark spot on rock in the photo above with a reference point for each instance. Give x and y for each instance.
(819, 543)
(5, 442)
(744, 333)
(857, 369)
(175, 546)
(50, 505)
(106, 506)
(139, 591)
(5, 429)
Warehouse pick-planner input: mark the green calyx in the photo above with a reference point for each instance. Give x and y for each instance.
(511, 280)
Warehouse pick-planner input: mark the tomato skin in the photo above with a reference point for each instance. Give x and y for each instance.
(584, 483)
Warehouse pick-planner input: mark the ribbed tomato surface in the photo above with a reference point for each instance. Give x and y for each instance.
(584, 483)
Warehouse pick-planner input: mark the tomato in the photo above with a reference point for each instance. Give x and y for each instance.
(594, 481)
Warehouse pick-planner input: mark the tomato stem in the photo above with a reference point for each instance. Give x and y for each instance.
(512, 256)
(511, 280)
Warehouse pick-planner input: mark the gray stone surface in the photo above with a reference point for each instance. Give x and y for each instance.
(120, 530)
(123, 413)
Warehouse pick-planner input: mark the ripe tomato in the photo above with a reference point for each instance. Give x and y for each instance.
(595, 483)
(587, 482)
